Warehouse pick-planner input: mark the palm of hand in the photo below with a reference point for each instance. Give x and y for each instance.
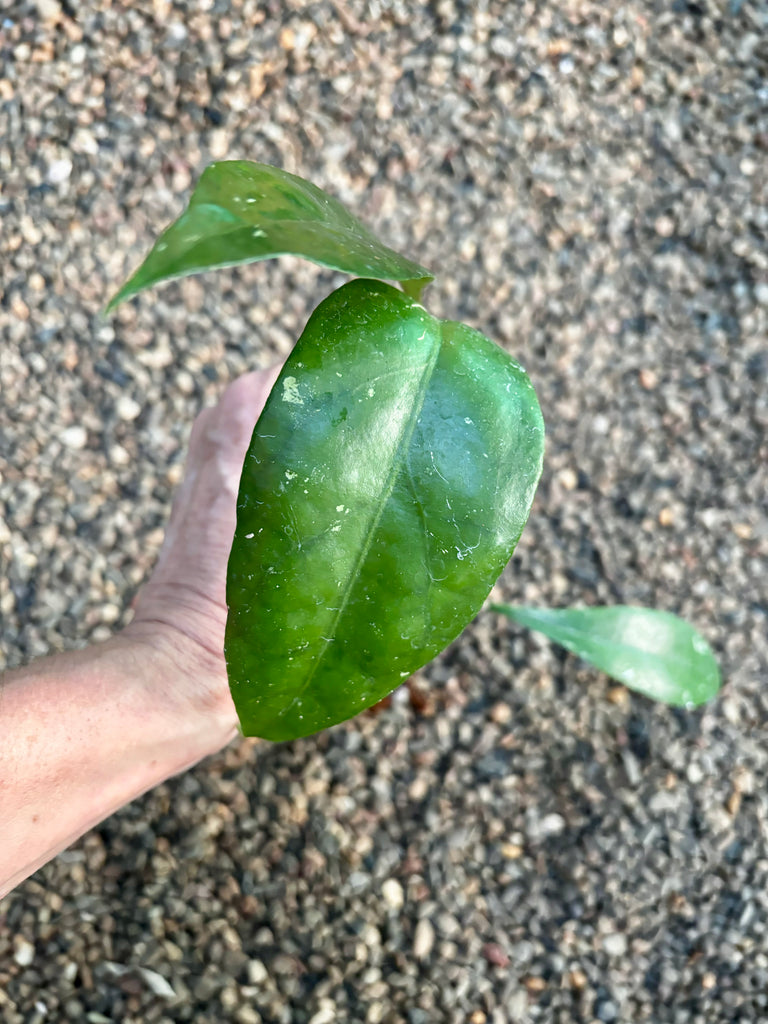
(182, 608)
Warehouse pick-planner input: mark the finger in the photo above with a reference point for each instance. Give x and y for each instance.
(244, 398)
(251, 388)
(221, 434)
(238, 410)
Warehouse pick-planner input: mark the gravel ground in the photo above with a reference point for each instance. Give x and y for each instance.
(520, 841)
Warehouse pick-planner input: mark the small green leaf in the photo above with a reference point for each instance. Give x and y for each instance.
(653, 652)
(388, 480)
(241, 212)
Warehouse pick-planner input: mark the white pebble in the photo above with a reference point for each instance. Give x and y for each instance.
(157, 984)
(257, 972)
(127, 408)
(59, 171)
(549, 825)
(552, 824)
(392, 892)
(110, 612)
(615, 944)
(423, 939)
(218, 145)
(694, 773)
(24, 952)
(327, 1015)
(177, 31)
(118, 455)
(74, 437)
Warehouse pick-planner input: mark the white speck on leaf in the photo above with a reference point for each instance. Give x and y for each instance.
(700, 645)
(291, 392)
(249, 536)
(289, 475)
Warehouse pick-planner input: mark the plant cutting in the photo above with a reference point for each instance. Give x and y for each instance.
(388, 479)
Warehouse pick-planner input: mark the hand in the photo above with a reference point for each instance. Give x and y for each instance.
(87, 731)
(182, 609)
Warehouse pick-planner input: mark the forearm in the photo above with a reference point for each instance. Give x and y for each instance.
(83, 733)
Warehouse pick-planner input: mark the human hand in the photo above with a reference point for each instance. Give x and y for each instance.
(181, 610)
(87, 731)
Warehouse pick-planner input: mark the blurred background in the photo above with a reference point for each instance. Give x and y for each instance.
(517, 839)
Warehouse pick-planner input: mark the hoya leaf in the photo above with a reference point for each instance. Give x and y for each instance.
(241, 212)
(387, 482)
(653, 652)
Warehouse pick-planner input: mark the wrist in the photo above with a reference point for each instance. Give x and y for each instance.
(87, 731)
(183, 681)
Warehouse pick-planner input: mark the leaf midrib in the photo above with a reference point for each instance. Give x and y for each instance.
(343, 234)
(569, 636)
(397, 463)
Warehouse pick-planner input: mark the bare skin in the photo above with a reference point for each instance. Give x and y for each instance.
(85, 732)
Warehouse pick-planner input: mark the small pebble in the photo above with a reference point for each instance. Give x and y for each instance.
(257, 973)
(549, 825)
(59, 171)
(495, 954)
(74, 437)
(615, 944)
(327, 1015)
(23, 951)
(127, 408)
(423, 939)
(393, 894)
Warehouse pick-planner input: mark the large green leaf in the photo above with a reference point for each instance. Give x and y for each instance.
(242, 211)
(388, 480)
(653, 652)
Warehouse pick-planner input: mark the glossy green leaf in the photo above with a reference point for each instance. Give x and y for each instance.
(653, 652)
(241, 212)
(387, 482)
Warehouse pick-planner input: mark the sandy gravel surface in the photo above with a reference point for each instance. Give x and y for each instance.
(525, 843)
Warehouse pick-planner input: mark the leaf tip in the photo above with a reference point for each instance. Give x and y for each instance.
(113, 303)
